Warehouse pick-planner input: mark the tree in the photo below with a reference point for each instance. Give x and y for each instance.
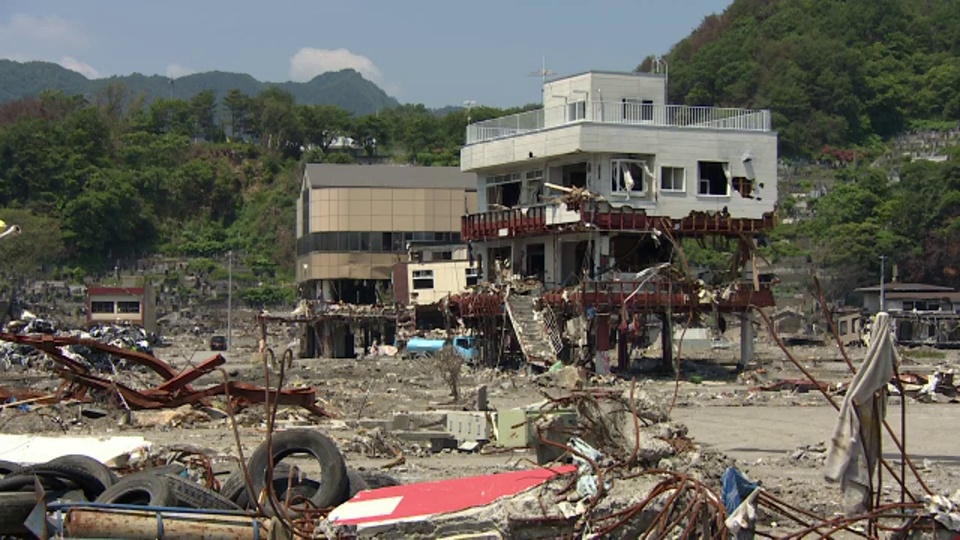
(368, 133)
(278, 123)
(38, 245)
(240, 109)
(107, 221)
(203, 109)
(323, 124)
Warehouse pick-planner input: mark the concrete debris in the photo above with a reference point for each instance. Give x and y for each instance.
(32, 449)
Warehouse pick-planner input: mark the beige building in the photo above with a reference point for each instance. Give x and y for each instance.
(355, 222)
(122, 305)
(432, 274)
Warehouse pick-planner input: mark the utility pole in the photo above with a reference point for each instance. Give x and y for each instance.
(883, 267)
(229, 298)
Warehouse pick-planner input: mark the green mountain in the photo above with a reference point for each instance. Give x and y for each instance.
(346, 89)
(834, 72)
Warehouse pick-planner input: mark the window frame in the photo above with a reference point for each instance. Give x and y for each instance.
(423, 277)
(102, 304)
(683, 179)
(616, 177)
(124, 309)
(725, 166)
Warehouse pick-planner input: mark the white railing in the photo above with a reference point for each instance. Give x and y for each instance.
(630, 113)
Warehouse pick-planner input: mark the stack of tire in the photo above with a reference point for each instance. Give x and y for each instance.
(334, 485)
(81, 478)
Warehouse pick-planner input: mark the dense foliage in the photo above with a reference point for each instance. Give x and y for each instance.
(913, 221)
(346, 89)
(834, 72)
(114, 178)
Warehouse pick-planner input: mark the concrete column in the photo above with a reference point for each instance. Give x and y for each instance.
(603, 332)
(746, 340)
(326, 290)
(666, 342)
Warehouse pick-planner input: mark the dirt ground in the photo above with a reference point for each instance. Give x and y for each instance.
(775, 437)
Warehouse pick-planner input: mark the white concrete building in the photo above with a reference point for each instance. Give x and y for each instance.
(646, 164)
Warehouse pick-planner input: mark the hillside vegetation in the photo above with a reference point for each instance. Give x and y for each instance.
(113, 179)
(834, 72)
(346, 89)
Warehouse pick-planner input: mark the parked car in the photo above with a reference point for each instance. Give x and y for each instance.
(218, 343)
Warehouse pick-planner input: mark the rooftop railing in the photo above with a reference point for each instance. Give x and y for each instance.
(622, 113)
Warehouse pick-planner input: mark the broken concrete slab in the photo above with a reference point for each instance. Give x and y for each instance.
(32, 449)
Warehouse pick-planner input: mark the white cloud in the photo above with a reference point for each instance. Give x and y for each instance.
(308, 62)
(176, 70)
(82, 68)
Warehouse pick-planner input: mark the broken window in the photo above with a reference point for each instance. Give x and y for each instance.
(128, 307)
(627, 175)
(743, 186)
(101, 307)
(504, 190)
(533, 187)
(422, 279)
(473, 276)
(714, 178)
(672, 179)
(443, 256)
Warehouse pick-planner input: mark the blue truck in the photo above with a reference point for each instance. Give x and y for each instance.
(419, 347)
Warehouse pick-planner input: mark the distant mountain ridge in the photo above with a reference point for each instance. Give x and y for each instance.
(346, 88)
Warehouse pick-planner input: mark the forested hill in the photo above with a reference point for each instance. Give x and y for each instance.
(834, 72)
(346, 89)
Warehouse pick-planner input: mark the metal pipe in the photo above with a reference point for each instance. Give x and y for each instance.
(145, 525)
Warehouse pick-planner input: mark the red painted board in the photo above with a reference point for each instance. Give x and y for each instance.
(417, 501)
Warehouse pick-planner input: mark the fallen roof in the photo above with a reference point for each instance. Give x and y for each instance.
(323, 175)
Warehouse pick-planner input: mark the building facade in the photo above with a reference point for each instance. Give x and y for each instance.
(122, 306)
(433, 274)
(354, 224)
(590, 192)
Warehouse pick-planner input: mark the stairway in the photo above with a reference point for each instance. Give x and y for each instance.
(536, 330)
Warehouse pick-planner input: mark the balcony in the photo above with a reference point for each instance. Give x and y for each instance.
(620, 113)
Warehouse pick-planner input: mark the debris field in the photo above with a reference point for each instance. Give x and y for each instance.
(97, 441)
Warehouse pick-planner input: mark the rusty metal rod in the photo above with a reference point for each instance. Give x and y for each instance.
(829, 398)
(901, 446)
(146, 525)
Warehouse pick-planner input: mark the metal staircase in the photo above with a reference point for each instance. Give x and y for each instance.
(536, 331)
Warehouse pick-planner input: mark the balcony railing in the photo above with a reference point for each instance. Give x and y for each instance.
(629, 113)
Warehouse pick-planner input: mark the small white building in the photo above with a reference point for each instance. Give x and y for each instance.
(122, 306)
(694, 170)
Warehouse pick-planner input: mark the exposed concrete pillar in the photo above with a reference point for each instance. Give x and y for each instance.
(666, 342)
(603, 331)
(746, 340)
(326, 290)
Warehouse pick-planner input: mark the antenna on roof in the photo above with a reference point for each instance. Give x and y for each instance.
(543, 73)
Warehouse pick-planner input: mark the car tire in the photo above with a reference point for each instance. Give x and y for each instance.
(190, 494)
(85, 472)
(334, 484)
(140, 489)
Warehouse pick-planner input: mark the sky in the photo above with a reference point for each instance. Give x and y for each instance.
(435, 52)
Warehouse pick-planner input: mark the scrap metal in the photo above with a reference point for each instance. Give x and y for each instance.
(174, 392)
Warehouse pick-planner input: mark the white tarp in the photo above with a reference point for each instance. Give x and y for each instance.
(854, 451)
(32, 449)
